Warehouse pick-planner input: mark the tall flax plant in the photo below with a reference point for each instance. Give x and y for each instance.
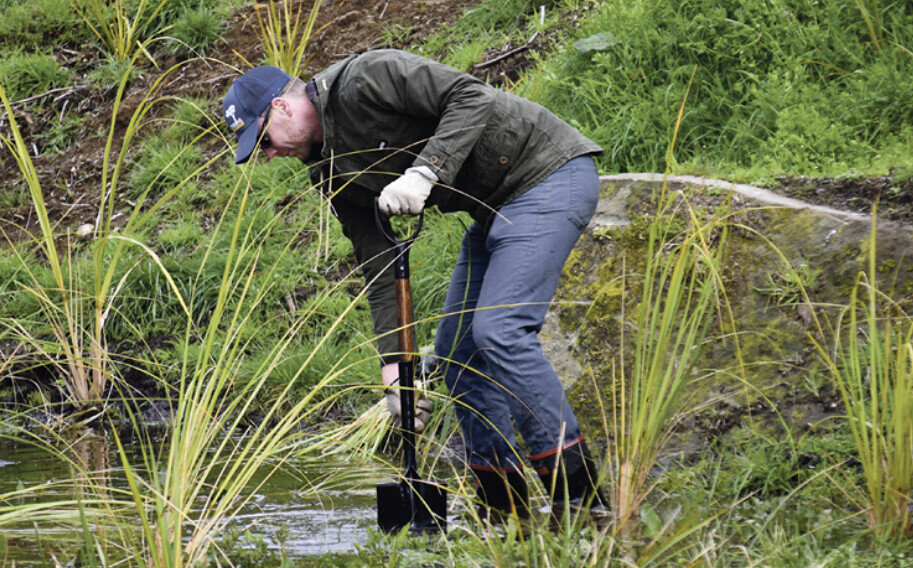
(872, 365)
(83, 294)
(119, 25)
(679, 298)
(284, 35)
(85, 366)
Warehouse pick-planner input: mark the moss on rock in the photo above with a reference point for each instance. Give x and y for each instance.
(785, 270)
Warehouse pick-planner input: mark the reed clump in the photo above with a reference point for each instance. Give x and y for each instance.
(870, 358)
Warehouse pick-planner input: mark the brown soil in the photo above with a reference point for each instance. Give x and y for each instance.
(893, 193)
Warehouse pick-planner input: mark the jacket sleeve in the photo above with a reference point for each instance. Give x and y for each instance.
(375, 257)
(402, 83)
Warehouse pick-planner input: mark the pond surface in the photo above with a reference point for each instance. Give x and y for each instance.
(328, 520)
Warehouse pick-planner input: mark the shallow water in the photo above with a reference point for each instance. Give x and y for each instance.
(327, 520)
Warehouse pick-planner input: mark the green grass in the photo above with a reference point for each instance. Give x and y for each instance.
(25, 74)
(393, 34)
(161, 165)
(188, 120)
(108, 73)
(197, 30)
(172, 11)
(14, 196)
(33, 25)
(131, 28)
(62, 134)
(780, 86)
(490, 24)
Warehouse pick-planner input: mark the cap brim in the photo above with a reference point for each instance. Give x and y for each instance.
(247, 143)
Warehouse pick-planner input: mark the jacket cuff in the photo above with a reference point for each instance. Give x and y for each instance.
(438, 161)
(423, 171)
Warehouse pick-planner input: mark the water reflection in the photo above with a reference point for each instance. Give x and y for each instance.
(91, 457)
(318, 517)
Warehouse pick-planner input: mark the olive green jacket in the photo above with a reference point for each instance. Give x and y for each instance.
(386, 110)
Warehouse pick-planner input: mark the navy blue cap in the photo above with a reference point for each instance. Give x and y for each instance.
(247, 98)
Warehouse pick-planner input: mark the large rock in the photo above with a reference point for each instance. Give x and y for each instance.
(780, 374)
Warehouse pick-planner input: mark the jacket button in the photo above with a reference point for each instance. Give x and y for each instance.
(433, 159)
(503, 159)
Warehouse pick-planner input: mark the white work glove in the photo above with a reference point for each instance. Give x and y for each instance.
(423, 406)
(406, 194)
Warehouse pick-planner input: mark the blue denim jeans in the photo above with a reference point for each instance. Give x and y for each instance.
(487, 339)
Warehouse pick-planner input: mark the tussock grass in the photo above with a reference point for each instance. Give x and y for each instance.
(205, 452)
(81, 296)
(680, 297)
(121, 27)
(285, 32)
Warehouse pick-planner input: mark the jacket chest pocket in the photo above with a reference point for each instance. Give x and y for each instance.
(495, 155)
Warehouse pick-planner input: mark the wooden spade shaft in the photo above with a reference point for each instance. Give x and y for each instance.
(404, 319)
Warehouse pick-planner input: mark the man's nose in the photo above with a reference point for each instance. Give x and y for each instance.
(270, 153)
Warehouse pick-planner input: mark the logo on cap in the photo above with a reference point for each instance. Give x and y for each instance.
(233, 121)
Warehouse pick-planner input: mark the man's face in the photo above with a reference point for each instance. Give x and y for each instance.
(285, 130)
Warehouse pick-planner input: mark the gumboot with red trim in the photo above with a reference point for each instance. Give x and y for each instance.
(502, 494)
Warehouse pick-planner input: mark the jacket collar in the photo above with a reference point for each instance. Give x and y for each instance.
(324, 81)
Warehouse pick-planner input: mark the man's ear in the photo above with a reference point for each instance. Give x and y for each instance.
(283, 105)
